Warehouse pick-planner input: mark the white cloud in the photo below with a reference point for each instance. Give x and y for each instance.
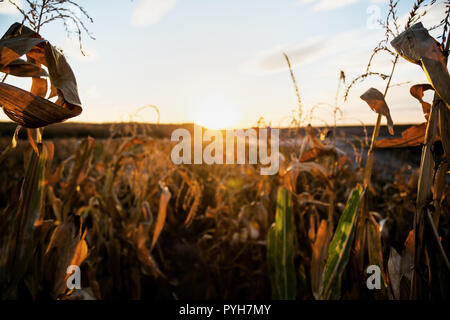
(323, 5)
(148, 12)
(7, 8)
(355, 43)
(272, 60)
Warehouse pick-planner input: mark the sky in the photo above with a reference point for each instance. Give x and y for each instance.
(220, 62)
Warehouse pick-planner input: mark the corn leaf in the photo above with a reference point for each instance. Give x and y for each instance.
(22, 68)
(375, 100)
(23, 228)
(319, 258)
(280, 248)
(32, 111)
(161, 219)
(411, 137)
(376, 253)
(340, 246)
(416, 45)
(417, 91)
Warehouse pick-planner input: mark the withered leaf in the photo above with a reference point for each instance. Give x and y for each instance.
(61, 75)
(39, 87)
(32, 111)
(22, 68)
(315, 153)
(411, 137)
(417, 92)
(417, 46)
(16, 42)
(60, 253)
(375, 100)
(161, 219)
(319, 258)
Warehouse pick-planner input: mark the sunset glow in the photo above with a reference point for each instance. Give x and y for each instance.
(216, 112)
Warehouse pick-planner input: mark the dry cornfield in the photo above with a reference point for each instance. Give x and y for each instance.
(141, 227)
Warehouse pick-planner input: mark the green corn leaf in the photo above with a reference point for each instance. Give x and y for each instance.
(271, 260)
(280, 246)
(339, 251)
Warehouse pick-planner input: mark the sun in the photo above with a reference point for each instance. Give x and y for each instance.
(216, 112)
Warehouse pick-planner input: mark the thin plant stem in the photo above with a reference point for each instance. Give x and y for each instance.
(376, 132)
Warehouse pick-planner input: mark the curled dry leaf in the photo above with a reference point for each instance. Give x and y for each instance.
(417, 46)
(61, 76)
(30, 109)
(375, 100)
(411, 137)
(417, 92)
(18, 41)
(22, 68)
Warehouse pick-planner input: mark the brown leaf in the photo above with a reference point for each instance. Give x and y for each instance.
(409, 243)
(17, 42)
(375, 250)
(61, 75)
(161, 219)
(39, 87)
(411, 137)
(319, 258)
(81, 253)
(22, 68)
(375, 100)
(417, 92)
(315, 153)
(32, 111)
(60, 253)
(416, 45)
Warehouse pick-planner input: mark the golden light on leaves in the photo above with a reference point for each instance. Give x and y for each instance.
(31, 109)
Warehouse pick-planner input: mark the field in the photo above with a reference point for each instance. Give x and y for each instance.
(131, 210)
(212, 221)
